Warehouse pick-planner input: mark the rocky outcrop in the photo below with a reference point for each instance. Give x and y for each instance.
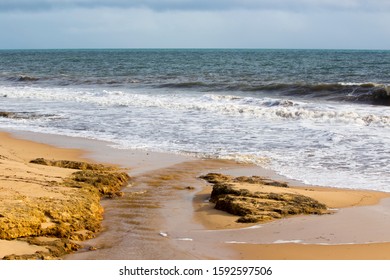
(221, 178)
(73, 164)
(74, 215)
(8, 115)
(24, 115)
(258, 206)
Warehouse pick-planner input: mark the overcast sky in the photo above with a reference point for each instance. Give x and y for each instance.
(346, 24)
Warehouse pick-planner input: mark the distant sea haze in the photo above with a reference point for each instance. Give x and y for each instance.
(319, 116)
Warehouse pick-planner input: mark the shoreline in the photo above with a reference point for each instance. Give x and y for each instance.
(200, 221)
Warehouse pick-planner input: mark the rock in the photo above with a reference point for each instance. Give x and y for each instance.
(220, 178)
(222, 189)
(215, 178)
(260, 180)
(7, 115)
(18, 115)
(107, 183)
(73, 164)
(259, 206)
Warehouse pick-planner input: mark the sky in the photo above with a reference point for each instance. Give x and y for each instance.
(312, 24)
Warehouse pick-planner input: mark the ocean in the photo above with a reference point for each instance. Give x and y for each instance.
(318, 116)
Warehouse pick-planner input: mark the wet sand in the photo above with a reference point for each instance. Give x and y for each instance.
(372, 251)
(165, 213)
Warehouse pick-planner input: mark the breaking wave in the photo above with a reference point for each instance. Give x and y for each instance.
(271, 108)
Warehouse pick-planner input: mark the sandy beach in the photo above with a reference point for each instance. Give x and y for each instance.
(165, 213)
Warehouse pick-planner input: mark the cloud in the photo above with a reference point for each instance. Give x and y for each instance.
(103, 27)
(195, 24)
(199, 5)
(140, 28)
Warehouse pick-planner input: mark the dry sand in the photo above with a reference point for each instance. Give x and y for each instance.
(19, 178)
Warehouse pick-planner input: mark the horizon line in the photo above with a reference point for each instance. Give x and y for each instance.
(189, 48)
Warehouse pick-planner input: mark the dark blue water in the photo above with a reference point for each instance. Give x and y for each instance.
(358, 76)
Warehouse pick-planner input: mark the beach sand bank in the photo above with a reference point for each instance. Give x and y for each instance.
(47, 205)
(166, 214)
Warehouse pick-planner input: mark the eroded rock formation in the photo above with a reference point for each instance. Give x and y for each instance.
(74, 214)
(259, 206)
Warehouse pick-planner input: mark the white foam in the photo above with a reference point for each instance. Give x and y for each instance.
(287, 241)
(340, 145)
(185, 239)
(227, 105)
(362, 84)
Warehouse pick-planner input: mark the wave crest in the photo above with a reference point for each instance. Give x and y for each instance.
(270, 108)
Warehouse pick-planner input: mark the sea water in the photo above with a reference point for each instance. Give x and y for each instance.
(318, 116)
